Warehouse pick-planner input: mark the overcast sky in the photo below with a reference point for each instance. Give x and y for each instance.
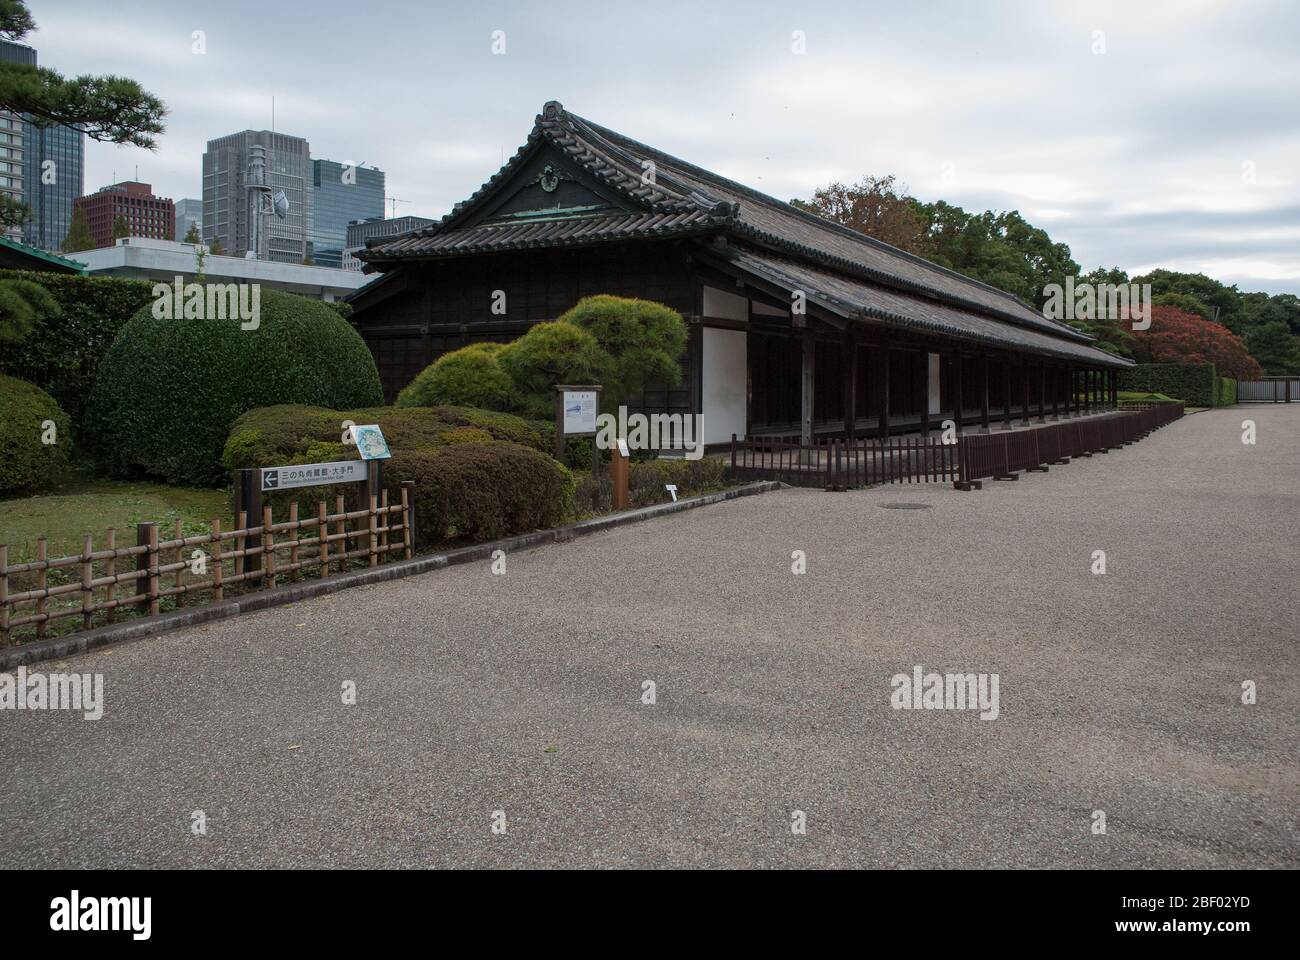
(1141, 133)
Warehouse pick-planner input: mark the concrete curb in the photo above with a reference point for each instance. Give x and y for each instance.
(57, 648)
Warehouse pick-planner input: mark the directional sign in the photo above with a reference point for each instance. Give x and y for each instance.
(313, 474)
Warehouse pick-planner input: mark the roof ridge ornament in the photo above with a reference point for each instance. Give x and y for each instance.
(553, 110)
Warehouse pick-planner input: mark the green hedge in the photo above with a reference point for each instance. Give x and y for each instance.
(292, 433)
(26, 461)
(62, 356)
(1226, 395)
(482, 491)
(168, 390)
(469, 376)
(647, 481)
(1193, 383)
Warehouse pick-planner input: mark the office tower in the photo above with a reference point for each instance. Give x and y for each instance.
(344, 193)
(189, 212)
(226, 194)
(144, 214)
(363, 230)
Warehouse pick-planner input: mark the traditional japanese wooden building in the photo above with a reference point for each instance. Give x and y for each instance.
(798, 325)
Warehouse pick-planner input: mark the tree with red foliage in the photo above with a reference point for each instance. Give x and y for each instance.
(1177, 336)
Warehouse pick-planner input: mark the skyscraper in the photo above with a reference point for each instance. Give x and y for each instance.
(344, 193)
(226, 194)
(134, 205)
(189, 212)
(43, 166)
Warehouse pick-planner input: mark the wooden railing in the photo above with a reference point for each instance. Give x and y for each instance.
(245, 557)
(965, 460)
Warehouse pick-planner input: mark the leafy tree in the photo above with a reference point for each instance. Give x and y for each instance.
(23, 306)
(1275, 347)
(1262, 309)
(192, 234)
(549, 354)
(645, 342)
(1185, 302)
(110, 109)
(215, 247)
(120, 228)
(1209, 293)
(13, 212)
(78, 237)
(874, 207)
(1179, 336)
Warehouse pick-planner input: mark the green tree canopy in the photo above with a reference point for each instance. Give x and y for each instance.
(1275, 347)
(78, 237)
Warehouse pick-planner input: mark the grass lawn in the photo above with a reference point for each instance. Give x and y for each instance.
(85, 503)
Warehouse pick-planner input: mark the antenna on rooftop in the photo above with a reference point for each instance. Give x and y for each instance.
(394, 202)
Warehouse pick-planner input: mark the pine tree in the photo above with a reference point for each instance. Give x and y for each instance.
(78, 237)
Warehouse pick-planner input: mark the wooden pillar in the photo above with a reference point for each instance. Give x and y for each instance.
(849, 372)
(1042, 393)
(1024, 392)
(983, 393)
(923, 392)
(808, 394)
(1056, 393)
(957, 406)
(1006, 393)
(883, 352)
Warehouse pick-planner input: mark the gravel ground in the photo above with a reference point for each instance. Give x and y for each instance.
(522, 693)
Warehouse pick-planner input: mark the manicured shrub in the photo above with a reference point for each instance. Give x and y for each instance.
(63, 355)
(466, 435)
(482, 491)
(26, 462)
(645, 342)
(1192, 383)
(1227, 392)
(168, 390)
(647, 480)
(547, 355)
(468, 377)
(285, 434)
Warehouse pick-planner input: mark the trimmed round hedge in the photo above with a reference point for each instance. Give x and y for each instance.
(167, 391)
(26, 462)
(469, 377)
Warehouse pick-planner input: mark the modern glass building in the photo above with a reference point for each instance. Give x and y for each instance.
(363, 230)
(44, 167)
(53, 177)
(343, 193)
(189, 212)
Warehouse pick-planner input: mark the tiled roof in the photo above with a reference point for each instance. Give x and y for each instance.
(859, 300)
(685, 199)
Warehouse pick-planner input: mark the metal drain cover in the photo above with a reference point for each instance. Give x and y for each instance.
(906, 506)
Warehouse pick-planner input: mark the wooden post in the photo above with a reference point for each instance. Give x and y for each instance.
(958, 405)
(925, 393)
(883, 426)
(984, 394)
(293, 533)
(1006, 393)
(87, 577)
(248, 501)
(177, 579)
(343, 531)
(849, 371)
(218, 587)
(241, 540)
(268, 550)
(808, 393)
(41, 555)
(1056, 391)
(408, 517)
(374, 542)
(4, 594)
(151, 541)
(323, 536)
(618, 475)
(383, 534)
(1024, 383)
(1042, 393)
(110, 568)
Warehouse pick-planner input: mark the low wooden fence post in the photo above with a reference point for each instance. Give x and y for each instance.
(218, 587)
(41, 584)
(268, 550)
(4, 594)
(87, 578)
(323, 535)
(408, 520)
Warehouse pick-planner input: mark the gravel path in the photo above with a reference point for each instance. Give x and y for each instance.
(522, 693)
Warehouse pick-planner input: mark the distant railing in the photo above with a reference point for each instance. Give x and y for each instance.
(246, 556)
(1269, 390)
(837, 463)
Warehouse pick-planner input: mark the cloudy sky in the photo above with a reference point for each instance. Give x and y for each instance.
(1142, 133)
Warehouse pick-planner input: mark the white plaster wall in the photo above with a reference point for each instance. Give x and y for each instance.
(724, 305)
(724, 384)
